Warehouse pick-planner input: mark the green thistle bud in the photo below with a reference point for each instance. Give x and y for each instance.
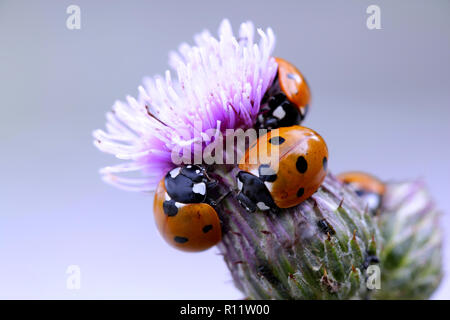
(323, 248)
(411, 259)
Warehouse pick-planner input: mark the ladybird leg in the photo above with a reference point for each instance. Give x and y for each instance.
(211, 202)
(211, 184)
(214, 195)
(271, 123)
(205, 172)
(275, 210)
(221, 198)
(246, 203)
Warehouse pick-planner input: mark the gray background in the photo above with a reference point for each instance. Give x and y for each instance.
(380, 99)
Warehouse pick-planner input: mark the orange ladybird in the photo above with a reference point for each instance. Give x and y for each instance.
(296, 171)
(185, 226)
(368, 187)
(287, 100)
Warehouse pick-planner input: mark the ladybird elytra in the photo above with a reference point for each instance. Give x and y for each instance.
(293, 84)
(186, 226)
(299, 171)
(363, 181)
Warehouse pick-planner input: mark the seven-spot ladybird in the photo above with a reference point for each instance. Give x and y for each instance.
(368, 187)
(184, 215)
(286, 102)
(301, 168)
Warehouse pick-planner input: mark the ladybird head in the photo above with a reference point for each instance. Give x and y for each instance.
(187, 184)
(253, 193)
(286, 101)
(369, 188)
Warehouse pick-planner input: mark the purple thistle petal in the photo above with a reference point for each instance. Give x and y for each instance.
(219, 84)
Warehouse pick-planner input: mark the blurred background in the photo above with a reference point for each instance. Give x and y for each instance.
(380, 100)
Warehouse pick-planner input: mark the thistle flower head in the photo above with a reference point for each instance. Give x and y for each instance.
(322, 248)
(219, 84)
(410, 225)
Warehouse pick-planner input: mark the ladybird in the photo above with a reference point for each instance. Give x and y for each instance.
(286, 101)
(301, 169)
(184, 215)
(368, 187)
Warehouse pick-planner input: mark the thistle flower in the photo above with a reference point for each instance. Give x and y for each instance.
(411, 259)
(323, 248)
(320, 249)
(220, 84)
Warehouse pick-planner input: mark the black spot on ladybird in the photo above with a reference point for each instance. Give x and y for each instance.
(300, 192)
(325, 163)
(207, 228)
(276, 140)
(301, 164)
(170, 208)
(178, 239)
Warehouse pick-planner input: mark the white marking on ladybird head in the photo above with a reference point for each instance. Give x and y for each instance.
(179, 205)
(197, 171)
(261, 118)
(167, 197)
(266, 171)
(302, 110)
(268, 185)
(244, 205)
(199, 188)
(279, 113)
(372, 200)
(262, 206)
(175, 172)
(189, 166)
(240, 184)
